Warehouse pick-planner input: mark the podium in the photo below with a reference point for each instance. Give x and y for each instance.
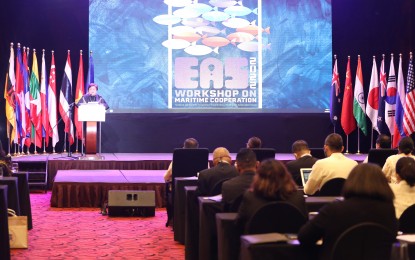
(91, 113)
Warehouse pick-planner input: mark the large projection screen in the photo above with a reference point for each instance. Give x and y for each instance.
(216, 56)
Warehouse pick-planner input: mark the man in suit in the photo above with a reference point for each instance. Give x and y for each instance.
(233, 189)
(222, 170)
(382, 142)
(336, 165)
(303, 159)
(254, 142)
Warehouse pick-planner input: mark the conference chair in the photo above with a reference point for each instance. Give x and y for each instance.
(317, 153)
(332, 187)
(379, 156)
(407, 220)
(264, 153)
(187, 162)
(366, 240)
(279, 216)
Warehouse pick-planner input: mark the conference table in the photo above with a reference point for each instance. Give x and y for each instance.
(179, 206)
(208, 208)
(12, 193)
(24, 196)
(4, 224)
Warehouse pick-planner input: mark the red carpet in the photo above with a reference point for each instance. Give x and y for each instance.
(83, 233)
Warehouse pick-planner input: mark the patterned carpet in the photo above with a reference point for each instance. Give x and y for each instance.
(83, 233)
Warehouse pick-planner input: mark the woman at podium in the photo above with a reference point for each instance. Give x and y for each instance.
(92, 96)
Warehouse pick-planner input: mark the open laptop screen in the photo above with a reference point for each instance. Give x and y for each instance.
(305, 172)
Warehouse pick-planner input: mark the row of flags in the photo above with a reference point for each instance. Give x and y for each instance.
(390, 105)
(31, 101)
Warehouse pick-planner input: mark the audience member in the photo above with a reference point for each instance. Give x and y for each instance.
(254, 142)
(367, 198)
(336, 165)
(272, 182)
(222, 170)
(404, 190)
(382, 142)
(5, 162)
(303, 159)
(233, 189)
(188, 143)
(405, 148)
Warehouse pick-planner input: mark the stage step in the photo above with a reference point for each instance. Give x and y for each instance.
(37, 173)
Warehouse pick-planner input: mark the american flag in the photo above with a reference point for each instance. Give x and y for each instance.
(409, 114)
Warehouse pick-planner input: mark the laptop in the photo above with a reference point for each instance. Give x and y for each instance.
(305, 173)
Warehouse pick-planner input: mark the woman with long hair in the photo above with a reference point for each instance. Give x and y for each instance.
(367, 198)
(272, 182)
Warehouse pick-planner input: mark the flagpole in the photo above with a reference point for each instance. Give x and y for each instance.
(64, 143)
(76, 146)
(371, 139)
(8, 147)
(347, 144)
(44, 145)
(358, 141)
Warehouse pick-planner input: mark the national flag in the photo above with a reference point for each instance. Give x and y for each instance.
(44, 101)
(372, 106)
(90, 76)
(335, 102)
(359, 99)
(66, 100)
(20, 105)
(9, 96)
(79, 92)
(348, 121)
(400, 104)
(52, 106)
(35, 103)
(390, 105)
(383, 128)
(26, 88)
(409, 114)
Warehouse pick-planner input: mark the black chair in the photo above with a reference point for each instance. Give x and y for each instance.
(332, 187)
(364, 241)
(317, 153)
(217, 188)
(379, 156)
(187, 162)
(280, 216)
(407, 220)
(264, 153)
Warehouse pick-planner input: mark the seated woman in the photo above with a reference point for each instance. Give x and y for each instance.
(404, 190)
(272, 182)
(367, 198)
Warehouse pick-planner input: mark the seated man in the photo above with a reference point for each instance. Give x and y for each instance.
(382, 142)
(233, 189)
(222, 170)
(254, 142)
(336, 165)
(188, 143)
(303, 159)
